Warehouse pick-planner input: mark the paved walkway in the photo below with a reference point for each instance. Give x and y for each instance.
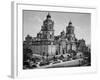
(63, 64)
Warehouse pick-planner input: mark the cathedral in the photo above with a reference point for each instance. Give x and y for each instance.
(47, 50)
(47, 44)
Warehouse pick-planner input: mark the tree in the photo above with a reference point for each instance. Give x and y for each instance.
(27, 54)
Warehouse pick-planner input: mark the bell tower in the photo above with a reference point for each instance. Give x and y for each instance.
(70, 32)
(48, 28)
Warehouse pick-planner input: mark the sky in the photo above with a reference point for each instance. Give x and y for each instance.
(33, 20)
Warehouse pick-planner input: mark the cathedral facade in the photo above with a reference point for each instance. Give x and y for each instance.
(47, 44)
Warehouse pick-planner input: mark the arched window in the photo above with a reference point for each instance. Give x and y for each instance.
(63, 51)
(43, 53)
(56, 52)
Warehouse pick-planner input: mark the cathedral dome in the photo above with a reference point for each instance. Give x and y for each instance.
(48, 16)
